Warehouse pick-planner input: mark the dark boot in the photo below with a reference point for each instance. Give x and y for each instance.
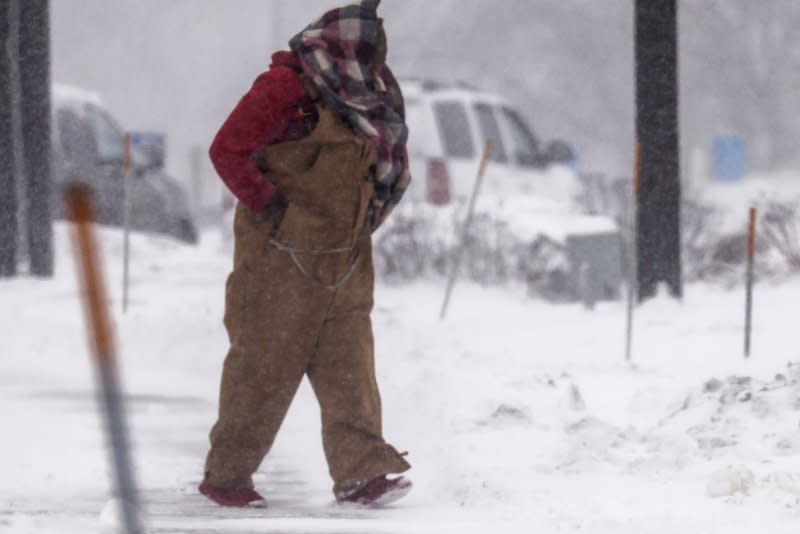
(233, 497)
(379, 492)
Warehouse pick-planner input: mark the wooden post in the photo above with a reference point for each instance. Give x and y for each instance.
(487, 150)
(101, 340)
(751, 253)
(632, 264)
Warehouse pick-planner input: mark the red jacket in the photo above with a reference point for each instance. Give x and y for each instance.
(263, 115)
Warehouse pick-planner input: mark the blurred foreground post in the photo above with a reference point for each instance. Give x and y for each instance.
(8, 183)
(487, 150)
(126, 220)
(631, 251)
(102, 344)
(34, 71)
(751, 253)
(658, 242)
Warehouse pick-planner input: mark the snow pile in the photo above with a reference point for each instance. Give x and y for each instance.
(761, 417)
(730, 481)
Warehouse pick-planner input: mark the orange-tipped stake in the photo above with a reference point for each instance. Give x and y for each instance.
(88, 259)
(101, 340)
(632, 261)
(487, 152)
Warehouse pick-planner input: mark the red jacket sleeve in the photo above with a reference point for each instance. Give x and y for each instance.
(260, 117)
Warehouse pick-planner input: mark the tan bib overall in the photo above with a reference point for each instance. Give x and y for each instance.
(298, 303)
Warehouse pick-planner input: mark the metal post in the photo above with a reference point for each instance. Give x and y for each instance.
(751, 253)
(658, 227)
(487, 149)
(8, 182)
(34, 42)
(18, 156)
(632, 263)
(103, 350)
(126, 221)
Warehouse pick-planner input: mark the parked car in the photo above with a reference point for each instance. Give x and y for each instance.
(448, 125)
(89, 147)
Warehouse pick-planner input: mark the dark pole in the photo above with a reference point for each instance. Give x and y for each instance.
(8, 187)
(658, 215)
(34, 40)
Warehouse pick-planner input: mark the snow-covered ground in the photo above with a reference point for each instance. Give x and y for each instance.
(518, 415)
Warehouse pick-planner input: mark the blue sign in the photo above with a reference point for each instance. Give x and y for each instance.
(149, 149)
(730, 158)
(148, 140)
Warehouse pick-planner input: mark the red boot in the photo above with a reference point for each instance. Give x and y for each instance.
(379, 491)
(234, 497)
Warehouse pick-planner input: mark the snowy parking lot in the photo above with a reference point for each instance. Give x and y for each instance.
(517, 414)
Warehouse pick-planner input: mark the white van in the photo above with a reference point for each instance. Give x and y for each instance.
(448, 126)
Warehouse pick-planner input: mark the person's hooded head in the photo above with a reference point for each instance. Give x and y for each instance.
(343, 53)
(346, 43)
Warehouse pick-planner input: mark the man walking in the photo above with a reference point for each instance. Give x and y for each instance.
(315, 153)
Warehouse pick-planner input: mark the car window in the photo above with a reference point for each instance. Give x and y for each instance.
(491, 130)
(525, 147)
(451, 118)
(109, 137)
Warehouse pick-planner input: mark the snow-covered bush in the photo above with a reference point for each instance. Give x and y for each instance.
(421, 240)
(712, 249)
(707, 253)
(780, 228)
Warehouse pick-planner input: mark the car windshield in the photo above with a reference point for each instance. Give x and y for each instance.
(453, 123)
(525, 147)
(110, 140)
(491, 130)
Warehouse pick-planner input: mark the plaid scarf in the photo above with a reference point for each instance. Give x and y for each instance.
(337, 53)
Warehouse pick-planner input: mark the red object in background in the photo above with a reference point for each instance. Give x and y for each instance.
(262, 116)
(438, 182)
